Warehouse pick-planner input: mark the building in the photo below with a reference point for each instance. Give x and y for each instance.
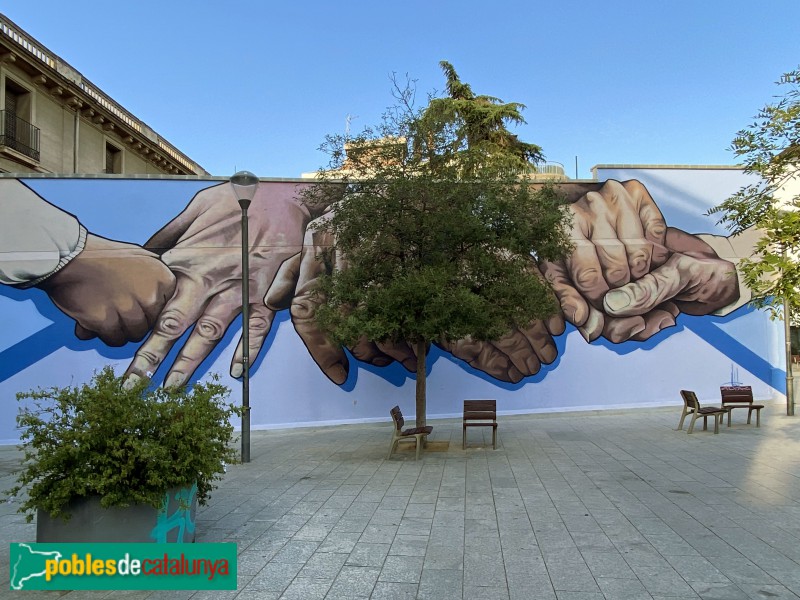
(54, 120)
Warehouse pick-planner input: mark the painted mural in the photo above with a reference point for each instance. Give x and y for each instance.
(145, 275)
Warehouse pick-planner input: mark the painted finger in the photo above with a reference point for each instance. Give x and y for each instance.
(329, 356)
(209, 327)
(281, 292)
(573, 305)
(516, 346)
(602, 228)
(555, 324)
(541, 341)
(686, 243)
(653, 223)
(260, 323)
(621, 329)
(368, 352)
(593, 327)
(183, 309)
(655, 321)
(697, 286)
(484, 357)
(402, 352)
(586, 273)
(84, 334)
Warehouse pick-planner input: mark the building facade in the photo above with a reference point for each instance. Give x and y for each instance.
(54, 120)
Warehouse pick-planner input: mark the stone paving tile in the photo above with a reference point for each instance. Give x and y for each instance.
(323, 565)
(340, 542)
(368, 555)
(303, 588)
(394, 591)
(402, 569)
(622, 589)
(353, 582)
(438, 584)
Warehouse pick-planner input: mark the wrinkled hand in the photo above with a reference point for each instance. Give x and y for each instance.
(202, 246)
(113, 290)
(519, 354)
(630, 275)
(295, 288)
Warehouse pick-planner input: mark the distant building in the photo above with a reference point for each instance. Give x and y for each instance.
(53, 120)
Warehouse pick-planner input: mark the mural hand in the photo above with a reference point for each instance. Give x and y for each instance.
(694, 278)
(202, 246)
(519, 354)
(621, 238)
(296, 287)
(113, 290)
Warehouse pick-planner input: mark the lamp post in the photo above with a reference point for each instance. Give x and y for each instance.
(244, 185)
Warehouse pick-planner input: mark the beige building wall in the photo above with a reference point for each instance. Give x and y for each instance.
(43, 90)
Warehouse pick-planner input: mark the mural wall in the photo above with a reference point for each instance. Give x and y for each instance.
(145, 275)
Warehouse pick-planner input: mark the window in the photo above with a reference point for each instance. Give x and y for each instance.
(16, 130)
(113, 159)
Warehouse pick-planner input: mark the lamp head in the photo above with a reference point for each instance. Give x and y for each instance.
(244, 185)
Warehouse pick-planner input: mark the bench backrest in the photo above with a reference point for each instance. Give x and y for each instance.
(480, 409)
(736, 394)
(690, 399)
(397, 417)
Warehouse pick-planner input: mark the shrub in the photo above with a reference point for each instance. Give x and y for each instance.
(127, 445)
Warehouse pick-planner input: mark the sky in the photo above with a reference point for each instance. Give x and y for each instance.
(258, 84)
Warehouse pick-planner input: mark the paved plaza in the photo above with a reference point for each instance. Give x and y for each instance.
(580, 506)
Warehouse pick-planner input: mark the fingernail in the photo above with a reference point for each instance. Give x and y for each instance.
(410, 364)
(174, 380)
(617, 300)
(236, 370)
(338, 374)
(131, 381)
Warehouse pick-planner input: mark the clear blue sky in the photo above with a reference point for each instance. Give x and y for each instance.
(257, 84)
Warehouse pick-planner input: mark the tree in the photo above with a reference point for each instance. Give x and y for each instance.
(770, 149)
(438, 227)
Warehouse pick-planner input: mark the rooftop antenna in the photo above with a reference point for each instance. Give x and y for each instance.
(347, 120)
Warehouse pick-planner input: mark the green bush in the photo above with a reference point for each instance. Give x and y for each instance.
(127, 445)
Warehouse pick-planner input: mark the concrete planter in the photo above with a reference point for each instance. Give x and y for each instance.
(90, 522)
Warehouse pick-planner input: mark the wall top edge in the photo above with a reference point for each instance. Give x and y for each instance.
(687, 167)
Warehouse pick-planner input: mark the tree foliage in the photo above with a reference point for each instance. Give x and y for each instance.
(437, 224)
(770, 149)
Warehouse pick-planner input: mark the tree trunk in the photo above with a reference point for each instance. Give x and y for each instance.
(421, 406)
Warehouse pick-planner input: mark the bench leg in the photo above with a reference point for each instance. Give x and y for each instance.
(494, 438)
(392, 446)
(691, 425)
(419, 443)
(705, 422)
(717, 419)
(758, 416)
(729, 417)
(683, 416)
(464, 438)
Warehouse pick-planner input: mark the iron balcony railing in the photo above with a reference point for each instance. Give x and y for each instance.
(18, 134)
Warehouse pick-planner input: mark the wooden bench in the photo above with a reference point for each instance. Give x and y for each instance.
(691, 406)
(480, 413)
(740, 396)
(412, 434)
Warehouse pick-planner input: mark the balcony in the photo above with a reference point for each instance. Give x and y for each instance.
(19, 135)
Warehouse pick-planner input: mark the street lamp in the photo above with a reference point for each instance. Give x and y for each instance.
(244, 185)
